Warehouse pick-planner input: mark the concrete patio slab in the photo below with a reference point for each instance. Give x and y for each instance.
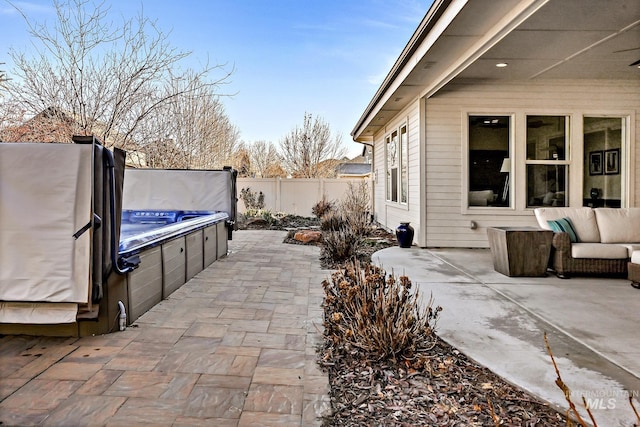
(500, 322)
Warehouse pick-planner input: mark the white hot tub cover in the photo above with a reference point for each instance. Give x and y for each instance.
(196, 190)
(45, 199)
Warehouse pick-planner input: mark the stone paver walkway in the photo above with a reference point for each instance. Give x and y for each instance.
(234, 346)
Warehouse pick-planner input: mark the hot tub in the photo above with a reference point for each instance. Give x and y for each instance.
(71, 272)
(170, 247)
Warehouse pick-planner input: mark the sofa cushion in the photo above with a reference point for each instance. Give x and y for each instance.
(631, 248)
(598, 250)
(618, 225)
(635, 257)
(583, 220)
(564, 225)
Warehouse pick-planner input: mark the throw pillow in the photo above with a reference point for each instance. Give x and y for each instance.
(564, 225)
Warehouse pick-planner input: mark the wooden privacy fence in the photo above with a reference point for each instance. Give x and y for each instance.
(296, 195)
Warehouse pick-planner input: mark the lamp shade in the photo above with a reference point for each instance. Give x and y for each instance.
(506, 165)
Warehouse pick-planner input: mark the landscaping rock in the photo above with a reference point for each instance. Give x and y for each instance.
(308, 236)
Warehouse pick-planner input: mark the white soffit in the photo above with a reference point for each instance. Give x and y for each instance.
(515, 16)
(549, 39)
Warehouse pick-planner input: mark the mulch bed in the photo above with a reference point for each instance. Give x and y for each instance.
(448, 390)
(287, 222)
(445, 388)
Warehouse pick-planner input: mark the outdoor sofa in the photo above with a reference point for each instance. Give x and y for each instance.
(591, 240)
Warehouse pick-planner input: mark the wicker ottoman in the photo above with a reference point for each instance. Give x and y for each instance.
(634, 269)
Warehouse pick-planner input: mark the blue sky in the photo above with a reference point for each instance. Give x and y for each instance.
(289, 56)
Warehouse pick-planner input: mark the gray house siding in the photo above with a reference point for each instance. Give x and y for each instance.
(390, 214)
(447, 218)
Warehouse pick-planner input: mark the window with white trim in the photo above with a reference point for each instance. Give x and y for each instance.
(604, 161)
(404, 164)
(547, 161)
(489, 161)
(396, 165)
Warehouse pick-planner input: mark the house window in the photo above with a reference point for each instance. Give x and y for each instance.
(603, 148)
(404, 176)
(396, 165)
(489, 161)
(547, 164)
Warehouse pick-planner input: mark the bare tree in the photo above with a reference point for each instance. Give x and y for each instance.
(107, 79)
(191, 128)
(241, 161)
(275, 170)
(161, 154)
(3, 76)
(264, 159)
(305, 148)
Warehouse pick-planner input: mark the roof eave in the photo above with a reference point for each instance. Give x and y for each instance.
(430, 19)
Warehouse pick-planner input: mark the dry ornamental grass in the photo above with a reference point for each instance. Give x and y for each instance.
(387, 367)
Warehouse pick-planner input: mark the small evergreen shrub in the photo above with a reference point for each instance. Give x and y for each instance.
(251, 199)
(265, 215)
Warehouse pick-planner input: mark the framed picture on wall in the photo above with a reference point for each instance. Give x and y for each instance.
(595, 163)
(612, 161)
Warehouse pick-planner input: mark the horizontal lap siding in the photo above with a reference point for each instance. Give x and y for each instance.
(413, 214)
(447, 225)
(389, 214)
(379, 183)
(443, 181)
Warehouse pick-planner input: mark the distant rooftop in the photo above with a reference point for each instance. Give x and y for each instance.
(353, 169)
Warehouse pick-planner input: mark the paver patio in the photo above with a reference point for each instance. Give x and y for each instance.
(234, 346)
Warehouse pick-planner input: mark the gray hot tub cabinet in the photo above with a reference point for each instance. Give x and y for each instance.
(163, 269)
(82, 294)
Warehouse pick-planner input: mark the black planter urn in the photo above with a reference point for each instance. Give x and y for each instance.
(404, 234)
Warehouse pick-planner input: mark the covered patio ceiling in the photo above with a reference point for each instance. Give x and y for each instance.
(536, 39)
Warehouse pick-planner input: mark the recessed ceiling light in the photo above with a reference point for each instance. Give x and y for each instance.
(501, 64)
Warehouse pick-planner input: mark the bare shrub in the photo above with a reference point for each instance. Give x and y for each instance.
(345, 228)
(355, 207)
(341, 244)
(372, 315)
(263, 215)
(573, 410)
(332, 221)
(323, 207)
